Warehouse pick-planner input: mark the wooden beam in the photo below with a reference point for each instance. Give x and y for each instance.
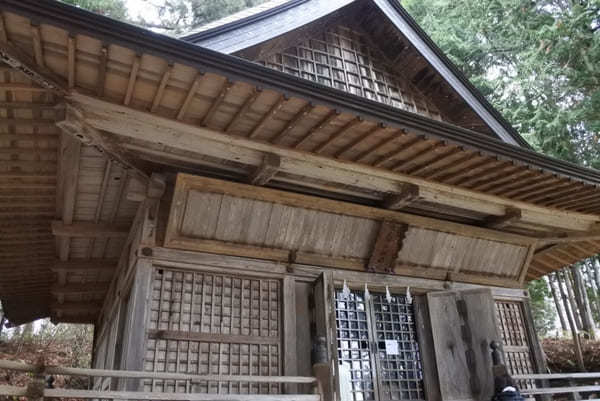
(160, 91)
(144, 126)
(407, 195)
(88, 230)
(361, 138)
(77, 307)
(227, 85)
(303, 112)
(189, 97)
(74, 125)
(342, 131)
(71, 61)
(38, 50)
(135, 68)
(101, 79)
(68, 176)
(386, 248)
(21, 61)
(511, 216)
(272, 111)
(266, 171)
(328, 119)
(571, 237)
(84, 265)
(245, 107)
(83, 288)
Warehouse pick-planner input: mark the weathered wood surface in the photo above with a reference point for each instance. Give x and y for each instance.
(463, 326)
(280, 225)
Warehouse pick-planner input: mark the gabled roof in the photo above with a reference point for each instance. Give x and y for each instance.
(157, 104)
(250, 28)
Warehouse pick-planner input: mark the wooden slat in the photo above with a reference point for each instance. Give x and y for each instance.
(272, 111)
(291, 124)
(85, 265)
(135, 68)
(101, 80)
(88, 230)
(189, 97)
(338, 134)
(328, 119)
(241, 113)
(161, 88)
(227, 85)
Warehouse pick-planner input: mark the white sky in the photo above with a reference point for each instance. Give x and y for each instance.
(141, 8)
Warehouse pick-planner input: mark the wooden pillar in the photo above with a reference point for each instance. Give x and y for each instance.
(134, 347)
(290, 365)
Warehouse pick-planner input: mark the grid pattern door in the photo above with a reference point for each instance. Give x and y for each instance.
(377, 369)
(354, 346)
(515, 340)
(213, 324)
(401, 374)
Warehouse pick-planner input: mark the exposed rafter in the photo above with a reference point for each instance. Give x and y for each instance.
(88, 230)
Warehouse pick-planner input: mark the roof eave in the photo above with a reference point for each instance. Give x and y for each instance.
(112, 31)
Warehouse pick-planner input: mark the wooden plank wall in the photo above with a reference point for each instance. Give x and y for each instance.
(229, 218)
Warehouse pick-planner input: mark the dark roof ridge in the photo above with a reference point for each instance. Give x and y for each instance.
(230, 26)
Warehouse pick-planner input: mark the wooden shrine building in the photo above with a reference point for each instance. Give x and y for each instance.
(203, 200)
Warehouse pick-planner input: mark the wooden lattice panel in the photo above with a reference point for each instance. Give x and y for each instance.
(515, 340)
(343, 58)
(205, 323)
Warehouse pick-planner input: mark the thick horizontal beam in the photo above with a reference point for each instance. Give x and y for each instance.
(84, 265)
(84, 288)
(144, 126)
(88, 230)
(77, 307)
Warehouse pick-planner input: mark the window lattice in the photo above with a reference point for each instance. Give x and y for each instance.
(240, 318)
(342, 58)
(515, 341)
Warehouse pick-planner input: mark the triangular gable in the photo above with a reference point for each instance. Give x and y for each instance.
(425, 80)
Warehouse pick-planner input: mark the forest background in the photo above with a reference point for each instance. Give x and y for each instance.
(536, 61)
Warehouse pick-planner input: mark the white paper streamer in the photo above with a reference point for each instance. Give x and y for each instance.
(367, 293)
(408, 296)
(388, 296)
(345, 290)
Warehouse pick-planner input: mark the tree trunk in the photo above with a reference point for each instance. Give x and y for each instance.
(2, 321)
(584, 303)
(576, 340)
(590, 283)
(559, 307)
(572, 299)
(597, 272)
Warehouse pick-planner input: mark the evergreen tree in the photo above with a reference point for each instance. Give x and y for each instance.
(116, 9)
(541, 307)
(180, 16)
(537, 61)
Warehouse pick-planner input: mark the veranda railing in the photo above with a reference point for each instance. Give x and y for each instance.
(35, 389)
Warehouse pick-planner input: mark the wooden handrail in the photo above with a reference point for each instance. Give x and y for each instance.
(139, 395)
(551, 376)
(57, 370)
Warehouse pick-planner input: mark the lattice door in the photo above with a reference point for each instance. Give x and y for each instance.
(373, 372)
(207, 323)
(515, 340)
